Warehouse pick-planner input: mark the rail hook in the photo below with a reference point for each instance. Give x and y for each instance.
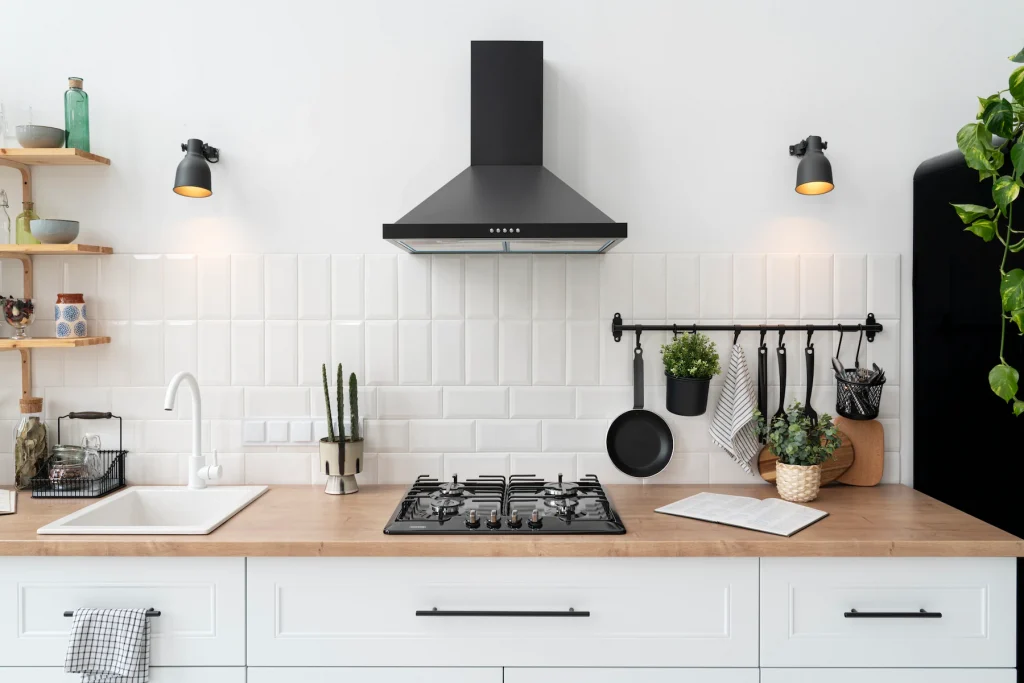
(763, 332)
(736, 335)
(639, 331)
(810, 333)
(695, 328)
(675, 331)
(782, 333)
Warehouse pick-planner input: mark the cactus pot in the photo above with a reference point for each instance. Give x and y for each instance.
(341, 466)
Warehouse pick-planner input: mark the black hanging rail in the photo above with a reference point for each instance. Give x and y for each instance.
(870, 327)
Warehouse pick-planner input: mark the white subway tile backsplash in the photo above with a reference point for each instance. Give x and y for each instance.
(300, 431)
(482, 351)
(549, 287)
(59, 401)
(213, 288)
(276, 401)
(381, 282)
(600, 465)
(434, 436)
(515, 344)
(80, 368)
(219, 403)
(402, 468)
(546, 466)
(145, 403)
(81, 274)
(214, 352)
(883, 285)
(413, 287)
(247, 353)
(314, 350)
(181, 348)
(683, 287)
(314, 287)
(716, 286)
(448, 352)
(347, 340)
(749, 284)
(180, 287)
(891, 468)
(649, 286)
(548, 352)
(816, 286)
(583, 352)
(277, 468)
(850, 286)
(475, 402)
(408, 402)
(281, 286)
(616, 360)
(146, 291)
(583, 287)
(508, 435)
(387, 436)
(603, 402)
(514, 277)
(574, 435)
(683, 468)
(347, 285)
(783, 286)
(247, 287)
(722, 469)
(466, 465)
(381, 352)
(892, 434)
(616, 286)
(414, 358)
(446, 287)
(885, 351)
(281, 353)
(547, 402)
(113, 285)
(481, 287)
(277, 431)
(146, 358)
(254, 431)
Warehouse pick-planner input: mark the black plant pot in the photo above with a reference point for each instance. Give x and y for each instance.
(686, 396)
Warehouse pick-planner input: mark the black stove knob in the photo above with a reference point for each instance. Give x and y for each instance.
(472, 522)
(514, 521)
(535, 522)
(493, 522)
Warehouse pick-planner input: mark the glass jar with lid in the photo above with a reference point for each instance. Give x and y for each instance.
(31, 443)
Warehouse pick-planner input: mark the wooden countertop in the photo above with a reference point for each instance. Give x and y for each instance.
(303, 521)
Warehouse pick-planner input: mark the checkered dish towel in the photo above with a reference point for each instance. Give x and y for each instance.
(733, 428)
(109, 645)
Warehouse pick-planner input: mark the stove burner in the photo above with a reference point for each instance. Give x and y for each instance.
(453, 487)
(560, 489)
(563, 505)
(445, 506)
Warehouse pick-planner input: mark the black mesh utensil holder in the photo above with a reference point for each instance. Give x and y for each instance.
(111, 464)
(855, 400)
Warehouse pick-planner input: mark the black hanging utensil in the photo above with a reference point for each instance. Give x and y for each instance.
(781, 353)
(762, 380)
(811, 414)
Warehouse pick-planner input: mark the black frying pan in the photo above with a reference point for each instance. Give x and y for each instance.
(639, 441)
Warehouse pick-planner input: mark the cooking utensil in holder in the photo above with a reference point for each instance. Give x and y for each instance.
(111, 468)
(857, 399)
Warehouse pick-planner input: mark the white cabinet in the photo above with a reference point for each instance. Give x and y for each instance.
(374, 675)
(647, 612)
(888, 612)
(156, 675)
(527, 675)
(889, 675)
(201, 600)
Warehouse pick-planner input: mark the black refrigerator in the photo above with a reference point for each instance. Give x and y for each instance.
(968, 445)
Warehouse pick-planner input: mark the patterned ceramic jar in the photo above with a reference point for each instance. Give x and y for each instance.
(70, 316)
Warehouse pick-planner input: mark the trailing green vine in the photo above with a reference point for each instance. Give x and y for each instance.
(982, 152)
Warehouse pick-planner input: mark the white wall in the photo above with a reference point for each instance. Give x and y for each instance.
(673, 116)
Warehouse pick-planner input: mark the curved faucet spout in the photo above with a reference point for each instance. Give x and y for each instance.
(196, 461)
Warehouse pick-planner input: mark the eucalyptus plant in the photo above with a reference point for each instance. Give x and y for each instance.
(796, 439)
(984, 143)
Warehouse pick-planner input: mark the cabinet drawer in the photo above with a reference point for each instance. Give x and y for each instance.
(170, 674)
(867, 612)
(372, 675)
(201, 600)
(697, 612)
(612, 675)
(889, 675)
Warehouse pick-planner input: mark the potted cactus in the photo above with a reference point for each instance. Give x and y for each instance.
(341, 458)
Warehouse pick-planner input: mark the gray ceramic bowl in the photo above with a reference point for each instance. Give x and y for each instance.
(36, 137)
(54, 230)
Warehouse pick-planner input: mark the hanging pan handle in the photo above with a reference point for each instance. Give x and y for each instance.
(638, 373)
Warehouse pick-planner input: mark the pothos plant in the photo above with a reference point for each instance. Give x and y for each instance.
(1002, 118)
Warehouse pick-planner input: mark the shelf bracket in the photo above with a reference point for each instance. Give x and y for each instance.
(26, 373)
(26, 266)
(26, 178)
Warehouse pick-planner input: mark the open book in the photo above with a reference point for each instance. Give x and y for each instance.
(772, 516)
(8, 502)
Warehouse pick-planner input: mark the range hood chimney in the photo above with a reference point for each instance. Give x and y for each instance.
(506, 201)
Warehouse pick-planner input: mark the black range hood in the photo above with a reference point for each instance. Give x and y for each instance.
(506, 201)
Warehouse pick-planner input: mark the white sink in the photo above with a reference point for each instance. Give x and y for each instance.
(158, 510)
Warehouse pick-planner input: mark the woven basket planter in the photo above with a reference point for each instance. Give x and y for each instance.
(798, 483)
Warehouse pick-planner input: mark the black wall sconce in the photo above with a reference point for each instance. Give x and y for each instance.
(192, 178)
(814, 174)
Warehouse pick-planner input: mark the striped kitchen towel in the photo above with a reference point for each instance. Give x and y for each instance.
(733, 428)
(109, 646)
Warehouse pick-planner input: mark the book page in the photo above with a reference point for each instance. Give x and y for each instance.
(8, 502)
(711, 507)
(775, 516)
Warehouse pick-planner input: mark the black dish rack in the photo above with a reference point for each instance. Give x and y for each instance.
(112, 478)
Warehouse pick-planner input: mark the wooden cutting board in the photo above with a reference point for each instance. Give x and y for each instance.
(868, 438)
(831, 469)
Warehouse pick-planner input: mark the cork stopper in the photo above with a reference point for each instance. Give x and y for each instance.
(75, 82)
(31, 405)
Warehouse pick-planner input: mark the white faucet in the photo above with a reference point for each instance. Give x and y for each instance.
(198, 471)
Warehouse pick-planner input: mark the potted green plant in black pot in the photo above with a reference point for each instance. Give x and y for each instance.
(691, 360)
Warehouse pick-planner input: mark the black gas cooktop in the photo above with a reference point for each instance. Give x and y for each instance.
(524, 504)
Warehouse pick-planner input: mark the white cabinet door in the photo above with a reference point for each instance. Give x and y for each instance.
(527, 675)
(156, 675)
(201, 600)
(646, 612)
(888, 675)
(888, 612)
(373, 675)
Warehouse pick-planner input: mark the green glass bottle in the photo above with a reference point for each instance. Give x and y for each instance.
(76, 116)
(22, 229)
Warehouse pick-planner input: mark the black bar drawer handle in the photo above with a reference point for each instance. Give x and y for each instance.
(920, 614)
(149, 613)
(498, 613)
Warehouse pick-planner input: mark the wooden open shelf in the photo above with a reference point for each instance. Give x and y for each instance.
(52, 157)
(59, 249)
(51, 342)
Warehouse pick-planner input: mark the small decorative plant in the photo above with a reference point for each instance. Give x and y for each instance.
(331, 436)
(691, 360)
(353, 405)
(801, 445)
(341, 462)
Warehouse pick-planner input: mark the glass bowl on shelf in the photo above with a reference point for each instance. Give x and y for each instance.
(19, 314)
